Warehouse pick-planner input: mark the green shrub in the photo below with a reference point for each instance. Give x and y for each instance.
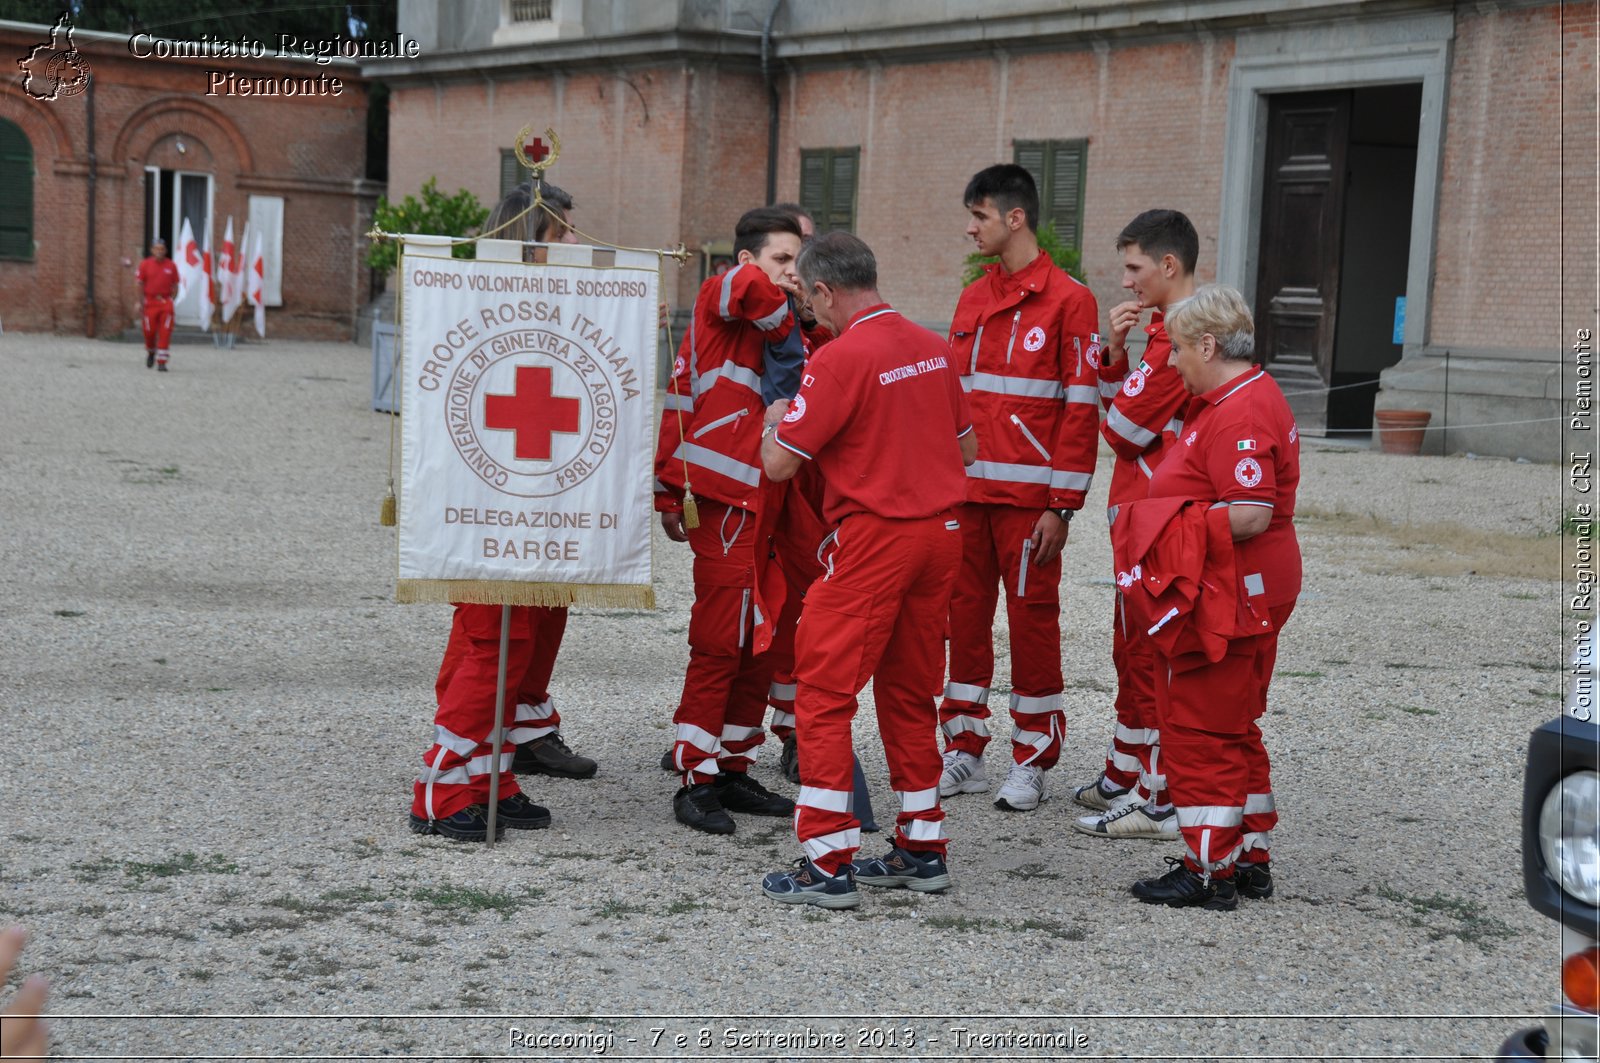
(1068, 258)
(436, 214)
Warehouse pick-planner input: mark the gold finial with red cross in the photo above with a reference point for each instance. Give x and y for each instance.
(537, 157)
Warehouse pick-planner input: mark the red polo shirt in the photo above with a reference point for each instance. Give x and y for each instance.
(158, 277)
(879, 410)
(1240, 446)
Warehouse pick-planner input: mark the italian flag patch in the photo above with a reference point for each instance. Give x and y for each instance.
(1247, 444)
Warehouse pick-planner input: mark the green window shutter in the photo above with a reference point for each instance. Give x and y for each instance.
(814, 184)
(1058, 168)
(511, 171)
(16, 192)
(1064, 204)
(828, 187)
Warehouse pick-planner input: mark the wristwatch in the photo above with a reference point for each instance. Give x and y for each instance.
(1064, 514)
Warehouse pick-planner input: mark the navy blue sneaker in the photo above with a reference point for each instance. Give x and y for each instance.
(1183, 888)
(923, 872)
(1253, 880)
(471, 824)
(806, 884)
(518, 813)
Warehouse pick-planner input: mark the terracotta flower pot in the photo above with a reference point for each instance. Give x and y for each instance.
(1401, 431)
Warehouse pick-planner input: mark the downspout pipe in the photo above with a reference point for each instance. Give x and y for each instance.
(770, 77)
(89, 314)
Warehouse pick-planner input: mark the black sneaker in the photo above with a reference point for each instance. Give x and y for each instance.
(471, 824)
(789, 760)
(149, 359)
(1182, 888)
(739, 793)
(161, 368)
(518, 813)
(1253, 880)
(923, 872)
(549, 755)
(669, 760)
(698, 807)
(806, 884)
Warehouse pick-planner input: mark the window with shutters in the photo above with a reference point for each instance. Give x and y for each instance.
(511, 172)
(1057, 167)
(828, 187)
(16, 192)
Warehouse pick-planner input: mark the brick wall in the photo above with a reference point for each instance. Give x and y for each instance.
(310, 150)
(1514, 139)
(925, 128)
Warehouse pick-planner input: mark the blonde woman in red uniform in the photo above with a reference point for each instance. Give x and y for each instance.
(1240, 450)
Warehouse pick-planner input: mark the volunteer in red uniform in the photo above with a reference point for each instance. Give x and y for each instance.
(451, 796)
(1022, 339)
(1239, 449)
(882, 416)
(158, 281)
(1144, 400)
(732, 364)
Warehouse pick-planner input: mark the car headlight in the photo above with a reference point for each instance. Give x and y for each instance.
(1569, 835)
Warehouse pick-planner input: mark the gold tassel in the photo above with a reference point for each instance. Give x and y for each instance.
(507, 592)
(386, 512)
(691, 511)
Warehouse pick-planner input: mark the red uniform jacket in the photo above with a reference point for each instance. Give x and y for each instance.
(1022, 346)
(714, 398)
(1144, 414)
(1174, 564)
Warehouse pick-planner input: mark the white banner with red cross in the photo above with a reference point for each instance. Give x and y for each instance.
(526, 424)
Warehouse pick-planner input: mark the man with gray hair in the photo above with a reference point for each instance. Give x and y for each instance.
(882, 416)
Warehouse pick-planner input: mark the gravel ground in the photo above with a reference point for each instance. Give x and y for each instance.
(214, 713)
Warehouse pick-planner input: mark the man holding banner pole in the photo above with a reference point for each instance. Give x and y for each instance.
(710, 448)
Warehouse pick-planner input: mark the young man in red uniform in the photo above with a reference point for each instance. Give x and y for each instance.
(158, 282)
(1021, 337)
(451, 796)
(733, 362)
(1240, 449)
(881, 415)
(1144, 404)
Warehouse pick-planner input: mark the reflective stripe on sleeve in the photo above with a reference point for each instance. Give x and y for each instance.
(1121, 424)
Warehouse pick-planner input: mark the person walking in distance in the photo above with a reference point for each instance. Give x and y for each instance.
(157, 277)
(1021, 337)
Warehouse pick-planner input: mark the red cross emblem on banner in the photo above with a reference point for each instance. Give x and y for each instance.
(534, 412)
(536, 151)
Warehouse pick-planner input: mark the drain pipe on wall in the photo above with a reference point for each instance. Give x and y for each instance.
(89, 315)
(772, 102)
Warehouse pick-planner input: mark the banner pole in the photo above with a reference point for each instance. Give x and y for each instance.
(499, 722)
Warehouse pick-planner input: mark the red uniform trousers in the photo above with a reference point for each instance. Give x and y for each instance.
(456, 769)
(781, 691)
(993, 554)
(798, 538)
(878, 615)
(1134, 754)
(1217, 767)
(158, 325)
(726, 684)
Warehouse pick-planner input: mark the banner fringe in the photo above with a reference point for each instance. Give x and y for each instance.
(503, 592)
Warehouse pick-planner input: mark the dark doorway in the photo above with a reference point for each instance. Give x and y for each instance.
(1335, 244)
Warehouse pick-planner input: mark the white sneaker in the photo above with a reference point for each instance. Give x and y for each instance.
(1023, 789)
(1094, 795)
(1130, 820)
(963, 774)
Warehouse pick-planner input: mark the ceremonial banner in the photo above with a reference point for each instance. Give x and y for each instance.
(526, 434)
